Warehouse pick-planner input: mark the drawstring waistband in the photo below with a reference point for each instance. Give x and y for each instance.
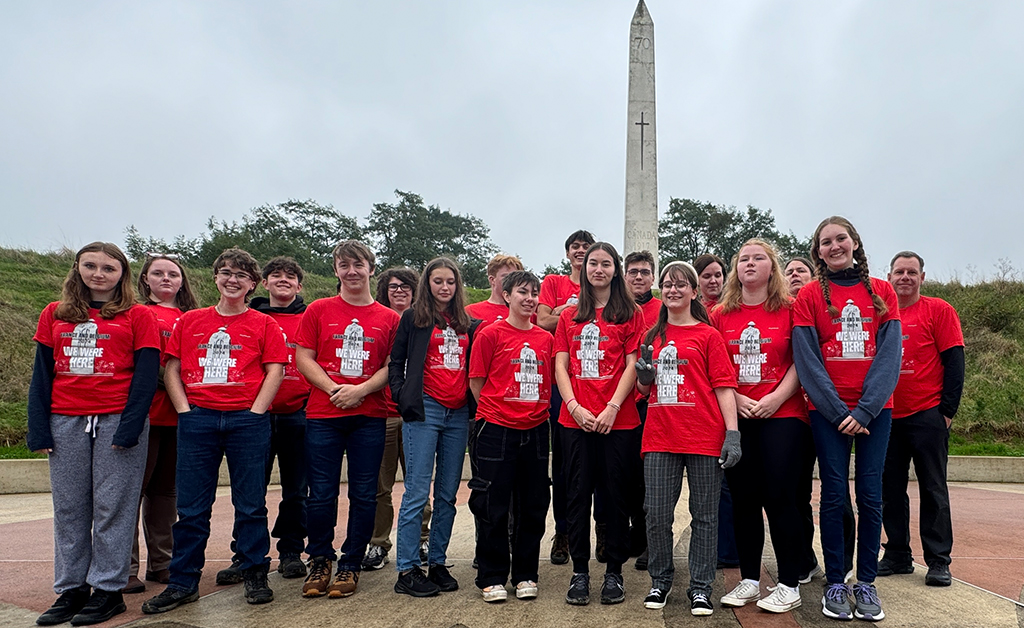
(91, 421)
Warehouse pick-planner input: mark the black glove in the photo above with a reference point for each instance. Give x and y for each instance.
(731, 453)
(645, 369)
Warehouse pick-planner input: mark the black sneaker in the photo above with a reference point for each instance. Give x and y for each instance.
(230, 575)
(601, 550)
(67, 606)
(415, 583)
(560, 549)
(889, 567)
(579, 590)
(291, 566)
(656, 599)
(938, 576)
(168, 600)
(613, 591)
(376, 557)
(438, 574)
(102, 606)
(641, 562)
(257, 590)
(700, 605)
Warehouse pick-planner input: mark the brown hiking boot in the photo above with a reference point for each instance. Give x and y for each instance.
(319, 578)
(344, 584)
(560, 549)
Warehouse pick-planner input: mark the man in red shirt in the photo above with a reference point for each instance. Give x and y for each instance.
(494, 308)
(926, 398)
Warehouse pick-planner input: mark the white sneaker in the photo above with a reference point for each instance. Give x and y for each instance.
(782, 599)
(849, 576)
(806, 579)
(745, 591)
(495, 593)
(526, 590)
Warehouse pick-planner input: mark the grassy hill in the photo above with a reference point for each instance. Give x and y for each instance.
(990, 421)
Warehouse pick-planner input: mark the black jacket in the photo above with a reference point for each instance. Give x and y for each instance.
(405, 371)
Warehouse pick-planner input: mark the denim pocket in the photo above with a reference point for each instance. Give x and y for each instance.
(490, 443)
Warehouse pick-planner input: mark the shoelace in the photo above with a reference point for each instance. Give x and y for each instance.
(319, 570)
(867, 593)
(578, 579)
(700, 597)
(654, 591)
(837, 592)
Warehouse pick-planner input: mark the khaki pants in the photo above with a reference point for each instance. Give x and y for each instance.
(394, 456)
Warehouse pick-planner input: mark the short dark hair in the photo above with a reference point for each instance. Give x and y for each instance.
(703, 261)
(283, 264)
(907, 254)
(407, 276)
(580, 236)
(243, 261)
(639, 257)
(354, 249)
(519, 278)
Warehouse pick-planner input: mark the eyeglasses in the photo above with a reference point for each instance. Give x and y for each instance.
(643, 272)
(668, 285)
(226, 274)
(399, 287)
(152, 255)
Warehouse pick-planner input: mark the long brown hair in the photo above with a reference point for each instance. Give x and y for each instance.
(424, 308)
(680, 271)
(859, 257)
(75, 295)
(620, 307)
(778, 292)
(185, 299)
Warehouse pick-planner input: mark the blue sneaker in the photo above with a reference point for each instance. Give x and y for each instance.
(869, 607)
(835, 603)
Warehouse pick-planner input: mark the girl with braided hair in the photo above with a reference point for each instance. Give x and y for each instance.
(846, 345)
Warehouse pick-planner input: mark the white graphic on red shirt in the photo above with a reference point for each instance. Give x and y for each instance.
(352, 352)
(573, 300)
(853, 336)
(450, 350)
(590, 354)
(83, 350)
(906, 364)
(529, 377)
(669, 379)
(218, 357)
(750, 359)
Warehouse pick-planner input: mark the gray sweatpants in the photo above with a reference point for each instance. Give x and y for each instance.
(95, 498)
(663, 473)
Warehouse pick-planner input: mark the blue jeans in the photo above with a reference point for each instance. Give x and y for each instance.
(834, 470)
(444, 434)
(327, 440)
(204, 438)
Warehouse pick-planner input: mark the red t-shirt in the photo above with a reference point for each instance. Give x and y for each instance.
(651, 310)
(222, 357)
(847, 341)
(162, 411)
(94, 361)
(445, 372)
(558, 290)
(294, 390)
(352, 342)
(597, 359)
(487, 312)
(683, 416)
(930, 326)
(759, 347)
(517, 367)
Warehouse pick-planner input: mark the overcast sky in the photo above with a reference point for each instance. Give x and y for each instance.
(906, 117)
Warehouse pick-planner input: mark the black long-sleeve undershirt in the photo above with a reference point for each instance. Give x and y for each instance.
(952, 380)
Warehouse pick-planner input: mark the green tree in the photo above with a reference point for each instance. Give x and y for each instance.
(691, 228)
(409, 233)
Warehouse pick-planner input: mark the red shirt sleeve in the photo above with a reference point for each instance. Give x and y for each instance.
(562, 330)
(721, 373)
(145, 328)
(44, 329)
(483, 351)
(173, 347)
(948, 332)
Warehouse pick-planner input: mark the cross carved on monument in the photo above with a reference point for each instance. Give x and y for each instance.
(642, 124)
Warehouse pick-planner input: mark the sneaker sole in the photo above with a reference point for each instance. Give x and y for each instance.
(879, 617)
(771, 608)
(260, 599)
(936, 582)
(613, 600)
(98, 619)
(495, 598)
(701, 612)
(526, 594)
(314, 593)
(375, 566)
(559, 560)
(736, 602)
(577, 601)
(407, 591)
(334, 595)
(807, 579)
(185, 600)
(831, 615)
(654, 606)
(228, 580)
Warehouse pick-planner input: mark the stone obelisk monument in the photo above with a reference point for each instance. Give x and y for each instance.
(641, 232)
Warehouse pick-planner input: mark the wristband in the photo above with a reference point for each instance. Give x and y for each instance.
(614, 405)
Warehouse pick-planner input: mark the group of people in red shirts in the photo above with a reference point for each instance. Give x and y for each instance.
(746, 373)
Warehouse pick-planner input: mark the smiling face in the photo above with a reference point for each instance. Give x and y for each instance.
(676, 291)
(710, 282)
(164, 280)
(835, 247)
(600, 269)
(797, 274)
(399, 294)
(753, 267)
(576, 253)
(233, 283)
(282, 285)
(100, 273)
(522, 301)
(442, 286)
(639, 278)
(354, 274)
(906, 278)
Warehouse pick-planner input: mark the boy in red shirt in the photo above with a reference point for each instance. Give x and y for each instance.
(223, 370)
(494, 308)
(510, 375)
(344, 345)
